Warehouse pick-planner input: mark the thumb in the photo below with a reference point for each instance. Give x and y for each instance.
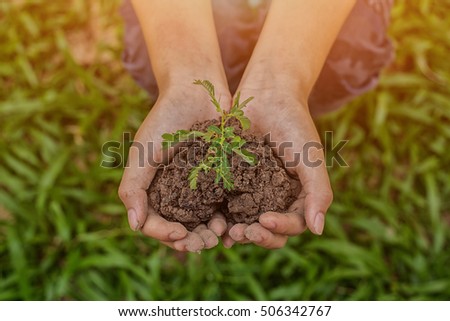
(136, 179)
(317, 192)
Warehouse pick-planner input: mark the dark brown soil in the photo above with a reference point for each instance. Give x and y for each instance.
(257, 189)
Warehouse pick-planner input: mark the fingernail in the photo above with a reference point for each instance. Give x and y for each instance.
(319, 222)
(176, 235)
(132, 219)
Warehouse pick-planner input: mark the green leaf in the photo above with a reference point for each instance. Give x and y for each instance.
(205, 167)
(193, 177)
(237, 142)
(245, 122)
(215, 129)
(246, 156)
(242, 143)
(229, 132)
(217, 105)
(210, 89)
(214, 148)
(226, 173)
(211, 161)
(179, 136)
(207, 85)
(237, 106)
(195, 134)
(236, 139)
(181, 132)
(227, 147)
(236, 103)
(208, 136)
(245, 102)
(168, 140)
(218, 177)
(227, 182)
(234, 145)
(168, 137)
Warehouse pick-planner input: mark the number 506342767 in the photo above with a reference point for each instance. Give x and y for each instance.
(298, 311)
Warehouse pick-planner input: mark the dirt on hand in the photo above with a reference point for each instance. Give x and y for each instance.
(257, 189)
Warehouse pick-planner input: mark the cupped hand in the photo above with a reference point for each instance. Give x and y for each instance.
(177, 108)
(285, 115)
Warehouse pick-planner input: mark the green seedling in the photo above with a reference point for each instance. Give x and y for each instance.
(223, 141)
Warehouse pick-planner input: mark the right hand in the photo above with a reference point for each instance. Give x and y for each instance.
(177, 107)
(285, 115)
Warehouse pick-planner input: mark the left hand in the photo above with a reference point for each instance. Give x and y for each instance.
(286, 117)
(177, 107)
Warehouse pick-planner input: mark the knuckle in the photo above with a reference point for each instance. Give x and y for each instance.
(123, 192)
(264, 241)
(290, 224)
(328, 196)
(151, 233)
(285, 227)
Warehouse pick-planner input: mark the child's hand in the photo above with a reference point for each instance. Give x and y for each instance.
(284, 66)
(177, 107)
(281, 113)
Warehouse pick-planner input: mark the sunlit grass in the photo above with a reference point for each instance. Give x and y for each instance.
(63, 230)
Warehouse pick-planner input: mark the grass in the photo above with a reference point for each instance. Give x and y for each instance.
(63, 230)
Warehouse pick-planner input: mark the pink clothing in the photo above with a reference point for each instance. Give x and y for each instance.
(361, 50)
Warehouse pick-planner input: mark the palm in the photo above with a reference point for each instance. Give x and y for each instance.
(291, 129)
(175, 110)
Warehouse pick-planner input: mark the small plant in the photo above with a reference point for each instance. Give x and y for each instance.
(222, 140)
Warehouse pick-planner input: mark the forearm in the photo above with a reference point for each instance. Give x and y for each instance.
(181, 40)
(294, 43)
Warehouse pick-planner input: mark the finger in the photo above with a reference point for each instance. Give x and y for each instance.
(318, 197)
(227, 240)
(289, 224)
(191, 243)
(158, 228)
(264, 238)
(308, 162)
(136, 179)
(218, 224)
(237, 233)
(135, 201)
(169, 244)
(209, 238)
(316, 188)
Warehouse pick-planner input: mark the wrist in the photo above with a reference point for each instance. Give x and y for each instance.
(271, 88)
(267, 78)
(183, 75)
(182, 92)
